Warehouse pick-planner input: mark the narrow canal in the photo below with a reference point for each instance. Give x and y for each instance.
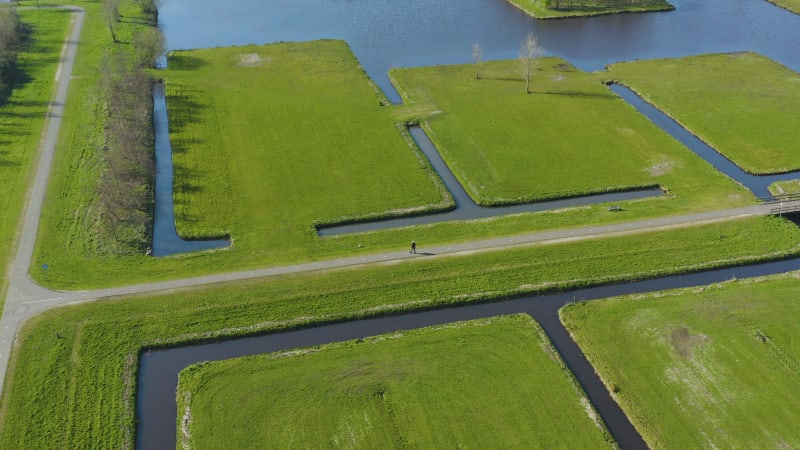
(158, 369)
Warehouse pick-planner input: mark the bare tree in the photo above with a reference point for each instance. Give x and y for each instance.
(149, 45)
(111, 14)
(477, 55)
(529, 50)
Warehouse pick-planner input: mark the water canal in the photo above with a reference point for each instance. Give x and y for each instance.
(166, 240)
(466, 208)
(158, 369)
(386, 34)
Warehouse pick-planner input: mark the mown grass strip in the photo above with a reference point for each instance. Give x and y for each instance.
(741, 104)
(713, 366)
(486, 383)
(71, 383)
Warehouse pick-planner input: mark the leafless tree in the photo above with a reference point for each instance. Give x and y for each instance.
(111, 15)
(477, 56)
(149, 45)
(529, 51)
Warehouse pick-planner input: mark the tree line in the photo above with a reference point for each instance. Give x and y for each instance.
(572, 4)
(124, 190)
(10, 31)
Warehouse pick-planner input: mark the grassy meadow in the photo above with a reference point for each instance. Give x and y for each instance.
(494, 383)
(269, 140)
(227, 148)
(78, 390)
(711, 367)
(555, 9)
(571, 136)
(23, 106)
(742, 104)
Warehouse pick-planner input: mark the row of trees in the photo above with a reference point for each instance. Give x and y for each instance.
(124, 190)
(10, 29)
(577, 4)
(529, 52)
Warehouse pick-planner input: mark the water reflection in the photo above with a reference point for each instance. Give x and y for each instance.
(165, 237)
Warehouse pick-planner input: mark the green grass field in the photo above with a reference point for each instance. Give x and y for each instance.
(711, 367)
(489, 383)
(78, 391)
(279, 197)
(303, 152)
(572, 136)
(555, 9)
(22, 117)
(741, 104)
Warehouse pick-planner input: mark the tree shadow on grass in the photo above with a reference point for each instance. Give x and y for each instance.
(4, 162)
(183, 110)
(182, 61)
(186, 180)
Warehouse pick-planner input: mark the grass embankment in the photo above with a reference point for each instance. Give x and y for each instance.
(495, 383)
(785, 187)
(23, 106)
(791, 5)
(572, 136)
(556, 9)
(78, 390)
(714, 367)
(743, 104)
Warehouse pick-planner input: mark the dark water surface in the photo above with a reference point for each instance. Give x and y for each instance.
(387, 33)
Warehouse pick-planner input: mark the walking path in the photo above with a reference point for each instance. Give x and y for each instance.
(25, 298)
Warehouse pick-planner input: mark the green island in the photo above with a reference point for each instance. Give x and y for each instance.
(486, 383)
(791, 5)
(23, 106)
(714, 366)
(741, 104)
(559, 9)
(79, 362)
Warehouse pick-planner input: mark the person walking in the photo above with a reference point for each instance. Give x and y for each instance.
(413, 247)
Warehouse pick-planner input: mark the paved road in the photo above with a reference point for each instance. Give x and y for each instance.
(20, 286)
(26, 299)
